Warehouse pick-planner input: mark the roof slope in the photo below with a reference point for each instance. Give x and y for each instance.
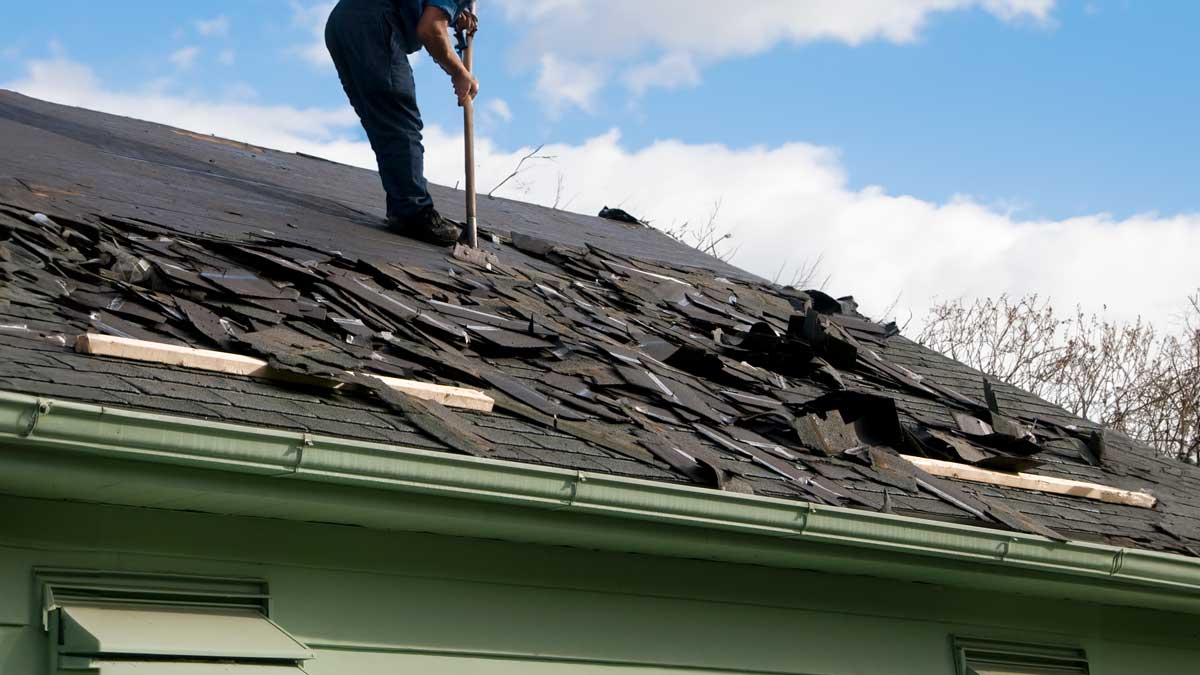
(608, 347)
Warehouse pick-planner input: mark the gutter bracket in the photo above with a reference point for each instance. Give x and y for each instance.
(578, 479)
(1118, 562)
(806, 515)
(40, 407)
(306, 441)
(1005, 549)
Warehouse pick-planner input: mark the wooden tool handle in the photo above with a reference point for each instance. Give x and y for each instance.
(469, 139)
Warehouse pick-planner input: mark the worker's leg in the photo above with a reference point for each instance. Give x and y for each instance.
(368, 52)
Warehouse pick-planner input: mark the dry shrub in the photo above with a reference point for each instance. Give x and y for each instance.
(1126, 375)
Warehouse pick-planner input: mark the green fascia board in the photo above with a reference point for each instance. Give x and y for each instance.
(614, 513)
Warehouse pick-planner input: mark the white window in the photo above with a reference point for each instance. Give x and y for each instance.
(107, 623)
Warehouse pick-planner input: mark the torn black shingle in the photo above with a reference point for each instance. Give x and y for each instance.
(608, 348)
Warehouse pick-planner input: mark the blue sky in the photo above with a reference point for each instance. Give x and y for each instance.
(1036, 113)
(1094, 111)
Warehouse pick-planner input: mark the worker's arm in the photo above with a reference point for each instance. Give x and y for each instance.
(434, 33)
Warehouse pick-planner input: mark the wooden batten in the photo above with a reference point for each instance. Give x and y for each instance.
(1027, 481)
(237, 364)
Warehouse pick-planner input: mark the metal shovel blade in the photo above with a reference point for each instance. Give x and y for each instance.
(475, 256)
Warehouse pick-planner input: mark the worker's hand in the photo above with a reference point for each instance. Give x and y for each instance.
(466, 87)
(467, 22)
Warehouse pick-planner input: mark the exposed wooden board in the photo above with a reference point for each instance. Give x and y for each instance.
(451, 397)
(1027, 481)
(237, 364)
(172, 355)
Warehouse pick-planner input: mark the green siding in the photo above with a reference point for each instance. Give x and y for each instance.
(22, 651)
(371, 602)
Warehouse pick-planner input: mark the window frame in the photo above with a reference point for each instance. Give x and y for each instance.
(971, 652)
(242, 598)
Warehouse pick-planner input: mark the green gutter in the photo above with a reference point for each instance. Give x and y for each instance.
(545, 505)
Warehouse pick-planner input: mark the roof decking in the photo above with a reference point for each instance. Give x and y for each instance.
(608, 346)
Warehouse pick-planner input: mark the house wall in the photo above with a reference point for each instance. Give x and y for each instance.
(371, 602)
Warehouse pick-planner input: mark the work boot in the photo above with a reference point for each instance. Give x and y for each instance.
(427, 225)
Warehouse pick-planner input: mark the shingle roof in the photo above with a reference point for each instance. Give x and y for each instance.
(608, 346)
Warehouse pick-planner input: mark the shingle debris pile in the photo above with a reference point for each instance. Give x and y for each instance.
(597, 360)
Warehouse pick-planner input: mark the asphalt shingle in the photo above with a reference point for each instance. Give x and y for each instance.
(622, 373)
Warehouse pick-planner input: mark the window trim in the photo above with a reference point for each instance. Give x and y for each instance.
(61, 590)
(1071, 660)
(82, 585)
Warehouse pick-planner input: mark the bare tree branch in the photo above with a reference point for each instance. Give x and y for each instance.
(533, 155)
(708, 238)
(558, 191)
(804, 276)
(1124, 375)
(887, 313)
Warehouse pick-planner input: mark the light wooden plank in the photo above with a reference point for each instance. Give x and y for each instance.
(237, 364)
(453, 397)
(1028, 481)
(171, 355)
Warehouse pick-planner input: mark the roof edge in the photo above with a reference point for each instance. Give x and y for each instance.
(623, 514)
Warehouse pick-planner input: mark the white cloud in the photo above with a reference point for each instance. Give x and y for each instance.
(498, 107)
(240, 91)
(311, 18)
(1011, 10)
(699, 32)
(185, 58)
(785, 204)
(330, 132)
(227, 57)
(564, 83)
(215, 27)
(56, 78)
(711, 28)
(791, 204)
(672, 71)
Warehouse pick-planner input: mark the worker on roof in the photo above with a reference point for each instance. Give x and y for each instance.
(370, 41)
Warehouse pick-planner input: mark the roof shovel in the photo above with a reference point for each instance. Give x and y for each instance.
(468, 249)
